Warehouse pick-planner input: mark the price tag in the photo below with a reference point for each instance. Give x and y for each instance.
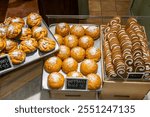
(135, 75)
(5, 63)
(76, 83)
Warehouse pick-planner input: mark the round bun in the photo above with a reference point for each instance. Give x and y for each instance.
(64, 52)
(2, 44)
(17, 56)
(53, 64)
(74, 74)
(88, 66)
(46, 44)
(59, 38)
(77, 30)
(71, 41)
(78, 53)
(55, 80)
(14, 29)
(10, 45)
(93, 53)
(18, 20)
(34, 19)
(39, 32)
(25, 33)
(29, 45)
(86, 42)
(93, 31)
(69, 65)
(94, 81)
(62, 29)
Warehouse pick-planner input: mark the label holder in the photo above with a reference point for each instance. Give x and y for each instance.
(135, 75)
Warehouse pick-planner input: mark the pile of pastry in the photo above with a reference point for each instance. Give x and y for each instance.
(19, 37)
(77, 56)
(125, 48)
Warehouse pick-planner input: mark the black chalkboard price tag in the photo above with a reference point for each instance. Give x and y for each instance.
(76, 83)
(135, 75)
(5, 63)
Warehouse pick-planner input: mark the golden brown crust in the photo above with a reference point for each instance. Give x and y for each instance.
(55, 80)
(10, 45)
(78, 53)
(77, 30)
(69, 65)
(17, 56)
(18, 20)
(71, 41)
(3, 30)
(46, 44)
(53, 64)
(26, 33)
(94, 81)
(75, 74)
(34, 19)
(64, 52)
(62, 29)
(29, 45)
(2, 44)
(59, 38)
(88, 66)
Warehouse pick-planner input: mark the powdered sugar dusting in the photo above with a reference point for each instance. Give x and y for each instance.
(16, 53)
(55, 77)
(92, 79)
(11, 28)
(53, 60)
(33, 17)
(70, 61)
(93, 51)
(38, 29)
(2, 30)
(61, 25)
(92, 28)
(84, 39)
(8, 43)
(44, 43)
(15, 20)
(28, 42)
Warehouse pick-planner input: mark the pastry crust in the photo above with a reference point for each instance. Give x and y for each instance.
(62, 29)
(59, 38)
(93, 53)
(3, 30)
(93, 31)
(56, 80)
(86, 42)
(29, 45)
(78, 53)
(46, 44)
(14, 29)
(77, 30)
(17, 56)
(75, 74)
(18, 20)
(88, 66)
(64, 52)
(69, 65)
(10, 45)
(94, 81)
(71, 41)
(39, 32)
(26, 33)
(2, 44)
(34, 19)
(53, 64)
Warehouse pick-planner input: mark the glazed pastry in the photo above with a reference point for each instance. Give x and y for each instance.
(64, 52)
(29, 45)
(53, 64)
(10, 45)
(74, 74)
(94, 81)
(78, 53)
(59, 38)
(88, 66)
(7, 21)
(34, 19)
(14, 29)
(3, 30)
(93, 31)
(46, 44)
(62, 29)
(2, 44)
(93, 53)
(26, 33)
(69, 65)
(18, 20)
(77, 30)
(86, 42)
(17, 56)
(39, 32)
(71, 41)
(55, 80)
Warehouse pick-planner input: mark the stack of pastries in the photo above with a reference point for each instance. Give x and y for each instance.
(125, 48)
(20, 37)
(77, 56)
